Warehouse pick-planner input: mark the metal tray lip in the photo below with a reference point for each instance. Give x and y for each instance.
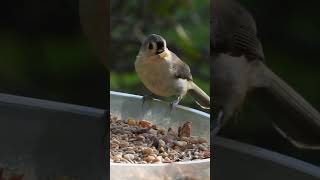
(195, 162)
(22, 101)
(179, 106)
(268, 155)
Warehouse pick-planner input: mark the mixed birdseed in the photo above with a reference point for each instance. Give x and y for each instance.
(142, 142)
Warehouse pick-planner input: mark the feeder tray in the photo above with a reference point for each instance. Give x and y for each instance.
(49, 140)
(130, 106)
(45, 140)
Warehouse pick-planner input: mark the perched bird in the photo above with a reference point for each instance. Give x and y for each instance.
(164, 74)
(239, 67)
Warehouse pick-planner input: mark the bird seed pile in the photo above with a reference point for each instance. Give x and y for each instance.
(141, 142)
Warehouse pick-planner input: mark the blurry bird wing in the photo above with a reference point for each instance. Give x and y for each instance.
(244, 41)
(180, 68)
(234, 30)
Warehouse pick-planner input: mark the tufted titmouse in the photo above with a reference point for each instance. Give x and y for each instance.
(239, 68)
(164, 74)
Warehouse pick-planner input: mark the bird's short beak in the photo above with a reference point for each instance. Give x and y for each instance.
(161, 50)
(160, 47)
(163, 54)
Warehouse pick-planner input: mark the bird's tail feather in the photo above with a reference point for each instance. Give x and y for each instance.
(201, 98)
(310, 120)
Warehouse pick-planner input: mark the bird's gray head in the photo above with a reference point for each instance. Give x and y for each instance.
(153, 45)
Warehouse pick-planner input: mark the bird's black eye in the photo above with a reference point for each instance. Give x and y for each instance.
(150, 46)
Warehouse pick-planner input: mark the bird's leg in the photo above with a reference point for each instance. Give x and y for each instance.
(174, 103)
(219, 120)
(147, 97)
(1, 173)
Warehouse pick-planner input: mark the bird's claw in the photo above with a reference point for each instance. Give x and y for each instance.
(145, 98)
(216, 129)
(173, 105)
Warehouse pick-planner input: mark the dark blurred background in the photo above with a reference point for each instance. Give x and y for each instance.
(44, 54)
(183, 23)
(289, 32)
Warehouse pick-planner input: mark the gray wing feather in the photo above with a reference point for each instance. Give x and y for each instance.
(180, 68)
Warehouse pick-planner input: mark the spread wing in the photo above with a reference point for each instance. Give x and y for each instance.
(180, 68)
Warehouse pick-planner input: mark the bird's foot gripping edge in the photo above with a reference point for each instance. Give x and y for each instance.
(146, 98)
(175, 103)
(219, 123)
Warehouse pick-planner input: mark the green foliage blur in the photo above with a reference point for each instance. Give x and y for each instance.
(44, 54)
(183, 23)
